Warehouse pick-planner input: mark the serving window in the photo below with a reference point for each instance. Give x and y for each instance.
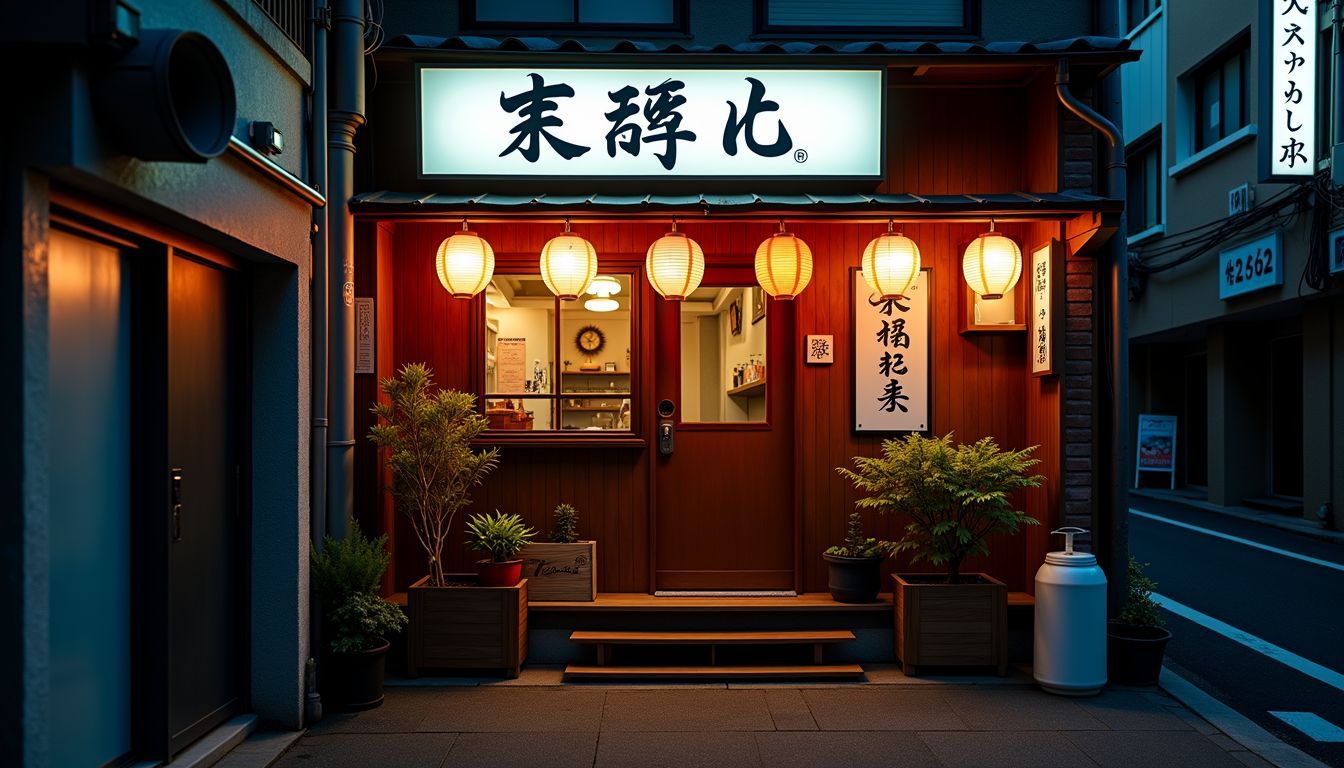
(555, 366)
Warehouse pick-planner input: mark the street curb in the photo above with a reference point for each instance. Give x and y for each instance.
(1298, 526)
(1237, 726)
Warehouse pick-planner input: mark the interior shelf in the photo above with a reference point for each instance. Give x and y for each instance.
(595, 373)
(751, 389)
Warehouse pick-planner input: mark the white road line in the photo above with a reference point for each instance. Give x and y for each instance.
(1259, 645)
(1238, 539)
(1312, 724)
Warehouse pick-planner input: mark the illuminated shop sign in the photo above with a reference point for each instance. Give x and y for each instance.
(1251, 266)
(1288, 102)
(683, 123)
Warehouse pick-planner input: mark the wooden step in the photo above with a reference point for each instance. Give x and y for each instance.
(801, 637)
(809, 671)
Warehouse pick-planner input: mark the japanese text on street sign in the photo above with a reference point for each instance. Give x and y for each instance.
(1042, 310)
(1292, 90)
(1251, 266)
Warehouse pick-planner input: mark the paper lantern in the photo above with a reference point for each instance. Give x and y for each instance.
(783, 264)
(568, 264)
(465, 263)
(675, 265)
(603, 287)
(992, 264)
(891, 264)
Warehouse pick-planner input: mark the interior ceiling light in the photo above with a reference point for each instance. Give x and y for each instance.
(603, 287)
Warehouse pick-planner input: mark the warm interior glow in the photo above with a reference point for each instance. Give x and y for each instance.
(568, 264)
(675, 265)
(601, 305)
(604, 286)
(891, 264)
(783, 265)
(992, 264)
(465, 263)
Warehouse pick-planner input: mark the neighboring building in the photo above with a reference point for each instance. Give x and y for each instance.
(1256, 379)
(155, 268)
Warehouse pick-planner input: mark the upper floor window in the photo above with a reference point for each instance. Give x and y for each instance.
(586, 15)
(1145, 177)
(913, 17)
(1138, 10)
(1219, 89)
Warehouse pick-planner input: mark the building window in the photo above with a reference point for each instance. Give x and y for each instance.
(554, 365)
(1144, 161)
(914, 17)
(1138, 10)
(1219, 88)
(587, 15)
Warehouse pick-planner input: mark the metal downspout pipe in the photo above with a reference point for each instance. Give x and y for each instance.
(1115, 554)
(346, 115)
(317, 450)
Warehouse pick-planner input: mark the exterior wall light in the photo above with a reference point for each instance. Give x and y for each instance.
(783, 264)
(891, 263)
(992, 264)
(603, 287)
(675, 265)
(568, 264)
(465, 263)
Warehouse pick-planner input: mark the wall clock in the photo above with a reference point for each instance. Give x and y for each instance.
(590, 339)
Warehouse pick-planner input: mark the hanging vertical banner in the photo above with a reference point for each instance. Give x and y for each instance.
(1156, 446)
(891, 358)
(1289, 33)
(1043, 307)
(364, 362)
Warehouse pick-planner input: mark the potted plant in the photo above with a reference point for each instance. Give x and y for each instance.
(856, 566)
(356, 621)
(502, 537)
(954, 497)
(564, 568)
(427, 435)
(1136, 640)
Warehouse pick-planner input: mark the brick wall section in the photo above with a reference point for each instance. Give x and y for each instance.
(1078, 166)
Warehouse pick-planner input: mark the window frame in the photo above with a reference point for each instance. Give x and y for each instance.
(1214, 66)
(969, 28)
(1149, 142)
(679, 26)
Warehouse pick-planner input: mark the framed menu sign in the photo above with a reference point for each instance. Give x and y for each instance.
(892, 359)
(1043, 284)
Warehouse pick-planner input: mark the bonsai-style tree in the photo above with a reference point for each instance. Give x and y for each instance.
(502, 536)
(1140, 609)
(428, 435)
(955, 495)
(566, 530)
(345, 577)
(858, 545)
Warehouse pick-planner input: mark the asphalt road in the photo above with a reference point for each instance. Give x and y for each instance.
(1290, 602)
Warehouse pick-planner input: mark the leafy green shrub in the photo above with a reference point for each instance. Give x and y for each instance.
(1140, 610)
(955, 495)
(856, 544)
(502, 536)
(345, 575)
(566, 530)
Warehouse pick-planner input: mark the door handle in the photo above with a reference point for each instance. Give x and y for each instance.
(176, 505)
(665, 438)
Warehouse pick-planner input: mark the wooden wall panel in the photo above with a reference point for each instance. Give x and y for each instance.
(940, 144)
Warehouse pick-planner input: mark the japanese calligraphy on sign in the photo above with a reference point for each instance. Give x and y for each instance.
(1041, 343)
(533, 121)
(1289, 51)
(819, 350)
(1251, 266)
(891, 358)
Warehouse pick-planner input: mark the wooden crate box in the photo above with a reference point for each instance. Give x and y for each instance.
(560, 572)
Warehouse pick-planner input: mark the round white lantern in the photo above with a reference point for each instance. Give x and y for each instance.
(465, 263)
(675, 265)
(992, 264)
(783, 264)
(568, 264)
(891, 264)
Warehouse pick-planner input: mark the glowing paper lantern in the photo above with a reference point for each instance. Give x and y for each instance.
(783, 264)
(891, 264)
(568, 264)
(675, 265)
(465, 263)
(992, 264)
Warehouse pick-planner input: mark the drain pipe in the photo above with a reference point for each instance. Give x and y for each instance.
(317, 449)
(346, 115)
(1115, 298)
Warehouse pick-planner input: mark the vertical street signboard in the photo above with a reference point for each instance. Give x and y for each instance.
(1251, 266)
(1156, 446)
(891, 358)
(1043, 308)
(499, 122)
(1289, 34)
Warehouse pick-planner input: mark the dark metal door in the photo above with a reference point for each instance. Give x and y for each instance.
(204, 563)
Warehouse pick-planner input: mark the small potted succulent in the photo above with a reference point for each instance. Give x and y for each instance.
(345, 575)
(502, 537)
(1136, 640)
(563, 569)
(856, 566)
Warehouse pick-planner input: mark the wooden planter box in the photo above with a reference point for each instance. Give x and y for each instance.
(560, 572)
(466, 627)
(950, 625)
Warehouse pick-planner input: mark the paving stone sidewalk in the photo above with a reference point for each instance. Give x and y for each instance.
(891, 721)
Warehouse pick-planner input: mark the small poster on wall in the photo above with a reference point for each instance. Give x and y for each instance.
(511, 359)
(891, 358)
(1156, 446)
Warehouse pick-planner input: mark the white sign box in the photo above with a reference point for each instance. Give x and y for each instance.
(1288, 93)
(659, 123)
(1251, 266)
(891, 358)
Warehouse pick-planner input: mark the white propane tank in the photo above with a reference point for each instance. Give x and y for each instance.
(1069, 645)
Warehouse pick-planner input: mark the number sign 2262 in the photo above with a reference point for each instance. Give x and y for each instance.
(1251, 266)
